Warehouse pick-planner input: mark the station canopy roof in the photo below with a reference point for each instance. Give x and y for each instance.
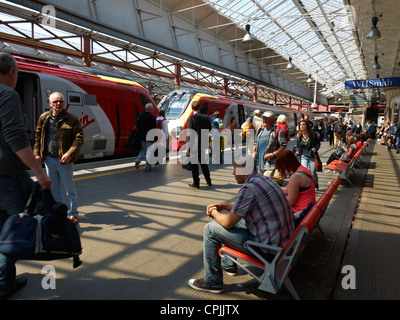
(319, 36)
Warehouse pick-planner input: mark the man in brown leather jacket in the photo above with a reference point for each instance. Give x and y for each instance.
(58, 139)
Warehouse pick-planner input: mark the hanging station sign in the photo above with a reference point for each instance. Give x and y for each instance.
(372, 83)
(359, 100)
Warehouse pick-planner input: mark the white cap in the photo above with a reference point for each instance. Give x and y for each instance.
(268, 114)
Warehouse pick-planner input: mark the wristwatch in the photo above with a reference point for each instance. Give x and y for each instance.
(212, 211)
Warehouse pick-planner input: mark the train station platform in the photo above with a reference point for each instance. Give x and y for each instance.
(142, 236)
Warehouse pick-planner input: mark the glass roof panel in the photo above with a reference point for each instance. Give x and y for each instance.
(317, 34)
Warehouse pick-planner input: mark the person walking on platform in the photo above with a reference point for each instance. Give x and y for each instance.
(372, 130)
(329, 132)
(337, 129)
(392, 136)
(199, 122)
(58, 139)
(145, 123)
(260, 213)
(162, 124)
(269, 141)
(307, 144)
(15, 154)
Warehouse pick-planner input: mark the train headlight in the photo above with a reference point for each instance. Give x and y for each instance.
(176, 132)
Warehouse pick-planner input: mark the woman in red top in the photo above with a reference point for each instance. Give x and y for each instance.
(300, 190)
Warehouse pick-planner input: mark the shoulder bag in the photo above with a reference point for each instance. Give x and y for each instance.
(317, 163)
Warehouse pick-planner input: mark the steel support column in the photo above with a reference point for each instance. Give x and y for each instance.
(177, 78)
(87, 51)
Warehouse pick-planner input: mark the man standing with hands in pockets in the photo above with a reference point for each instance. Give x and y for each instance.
(58, 139)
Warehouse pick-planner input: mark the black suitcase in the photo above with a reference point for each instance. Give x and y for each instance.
(43, 232)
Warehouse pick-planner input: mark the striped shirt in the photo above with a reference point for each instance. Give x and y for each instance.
(263, 205)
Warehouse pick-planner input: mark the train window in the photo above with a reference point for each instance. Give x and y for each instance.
(99, 144)
(144, 100)
(89, 99)
(204, 108)
(174, 104)
(74, 98)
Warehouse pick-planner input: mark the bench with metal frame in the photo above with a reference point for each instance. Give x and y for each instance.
(275, 273)
(345, 169)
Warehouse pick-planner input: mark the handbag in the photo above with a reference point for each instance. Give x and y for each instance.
(133, 142)
(317, 163)
(187, 166)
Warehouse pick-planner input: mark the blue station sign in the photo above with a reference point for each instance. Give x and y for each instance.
(372, 83)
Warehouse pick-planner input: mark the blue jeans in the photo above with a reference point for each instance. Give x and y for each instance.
(62, 181)
(14, 193)
(214, 237)
(309, 162)
(144, 145)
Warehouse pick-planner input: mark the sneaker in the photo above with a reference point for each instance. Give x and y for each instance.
(232, 271)
(200, 284)
(19, 284)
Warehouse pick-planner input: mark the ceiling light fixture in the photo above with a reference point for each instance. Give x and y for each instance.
(247, 39)
(290, 64)
(309, 80)
(376, 65)
(374, 33)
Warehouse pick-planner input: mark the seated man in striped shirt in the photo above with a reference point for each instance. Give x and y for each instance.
(260, 213)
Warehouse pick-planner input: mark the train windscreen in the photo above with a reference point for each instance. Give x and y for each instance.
(174, 104)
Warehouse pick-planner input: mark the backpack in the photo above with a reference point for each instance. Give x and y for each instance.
(338, 127)
(284, 129)
(159, 123)
(218, 123)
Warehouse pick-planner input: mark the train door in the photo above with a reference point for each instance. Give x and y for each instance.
(127, 116)
(29, 91)
(242, 115)
(237, 111)
(204, 109)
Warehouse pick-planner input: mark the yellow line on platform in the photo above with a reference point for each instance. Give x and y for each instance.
(104, 174)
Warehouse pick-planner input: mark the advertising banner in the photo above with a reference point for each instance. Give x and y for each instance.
(373, 83)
